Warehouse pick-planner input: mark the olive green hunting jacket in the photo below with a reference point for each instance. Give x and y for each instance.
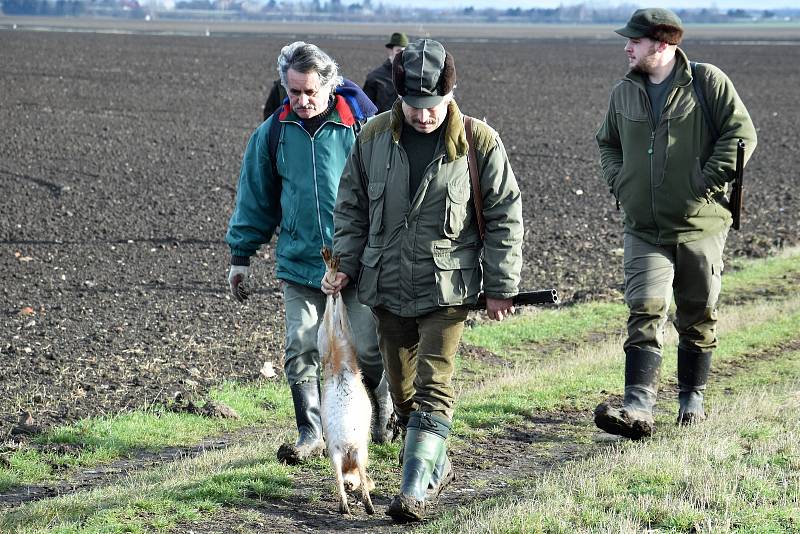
(412, 253)
(671, 178)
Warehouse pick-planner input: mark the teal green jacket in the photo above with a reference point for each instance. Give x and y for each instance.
(671, 178)
(412, 252)
(302, 202)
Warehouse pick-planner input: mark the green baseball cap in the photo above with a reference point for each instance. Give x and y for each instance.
(397, 39)
(423, 65)
(649, 22)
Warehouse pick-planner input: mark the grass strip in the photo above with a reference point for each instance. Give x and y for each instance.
(104, 439)
(738, 471)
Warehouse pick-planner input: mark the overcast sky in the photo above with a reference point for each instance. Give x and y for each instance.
(677, 4)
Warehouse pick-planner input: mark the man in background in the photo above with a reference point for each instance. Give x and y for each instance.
(379, 87)
(276, 96)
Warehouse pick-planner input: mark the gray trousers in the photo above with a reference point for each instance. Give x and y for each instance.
(304, 308)
(692, 272)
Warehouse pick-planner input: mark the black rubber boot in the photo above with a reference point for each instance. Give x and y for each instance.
(384, 425)
(693, 368)
(310, 444)
(635, 419)
(424, 448)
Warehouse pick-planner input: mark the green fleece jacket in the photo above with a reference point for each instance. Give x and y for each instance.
(671, 178)
(413, 253)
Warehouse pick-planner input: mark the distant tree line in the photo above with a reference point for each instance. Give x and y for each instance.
(365, 11)
(44, 7)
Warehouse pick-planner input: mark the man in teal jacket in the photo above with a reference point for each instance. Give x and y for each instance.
(297, 192)
(669, 170)
(407, 231)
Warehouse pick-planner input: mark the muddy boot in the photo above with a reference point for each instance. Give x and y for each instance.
(443, 473)
(384, 425)
(635, 419)
(441, 477)
(305, 397)
(424, 448)
(693, 368)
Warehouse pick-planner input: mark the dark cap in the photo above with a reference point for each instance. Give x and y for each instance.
(397, 39)
(423, 73)
(655, 23)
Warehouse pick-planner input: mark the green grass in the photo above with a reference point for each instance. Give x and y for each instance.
(548, 326)
(158, 500)
(779, 274)
(100, 440)
(736, 472)
(566, 358)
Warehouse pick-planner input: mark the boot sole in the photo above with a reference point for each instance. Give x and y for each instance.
(404, 509)
(616, 422)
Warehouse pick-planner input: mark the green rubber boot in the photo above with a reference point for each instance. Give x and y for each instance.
(693, 368)
(635, 419)
(424, 451)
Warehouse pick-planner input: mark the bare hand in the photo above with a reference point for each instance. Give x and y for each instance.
(499, 309)
(333, 287)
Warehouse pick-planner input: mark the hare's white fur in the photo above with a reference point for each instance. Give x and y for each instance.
(346, 408)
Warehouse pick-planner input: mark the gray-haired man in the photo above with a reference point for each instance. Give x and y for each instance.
(293, 184)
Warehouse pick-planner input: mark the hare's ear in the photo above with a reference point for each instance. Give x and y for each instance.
(399, 74)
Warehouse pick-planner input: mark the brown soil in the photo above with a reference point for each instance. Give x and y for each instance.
(120, 155)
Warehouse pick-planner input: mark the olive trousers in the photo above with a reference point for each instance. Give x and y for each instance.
(692, 272)
(419, 358)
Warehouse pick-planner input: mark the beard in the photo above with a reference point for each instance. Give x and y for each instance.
(646, 64)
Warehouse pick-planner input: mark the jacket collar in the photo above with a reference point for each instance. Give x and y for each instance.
(340, 114)
(454, 139)
(683, 72)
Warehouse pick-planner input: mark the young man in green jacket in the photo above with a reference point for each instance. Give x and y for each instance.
(406, 230)
(669, 170)
(291, 180)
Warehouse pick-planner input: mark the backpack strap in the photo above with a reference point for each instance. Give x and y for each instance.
(701, 97)
(472, 162)
(273, 138)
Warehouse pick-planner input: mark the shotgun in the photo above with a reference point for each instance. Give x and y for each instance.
(524, 298)
(737, 192)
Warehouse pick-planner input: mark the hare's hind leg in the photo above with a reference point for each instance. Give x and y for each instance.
(336, 461)
(366, 482)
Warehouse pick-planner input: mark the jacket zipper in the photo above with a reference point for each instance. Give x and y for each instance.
(316, 182)
(650, 157)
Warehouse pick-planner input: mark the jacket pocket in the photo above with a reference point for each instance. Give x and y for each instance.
(697, 181)
(458, 274)
(368, 277)
(375, 191)
(289, 211)
(456, 207)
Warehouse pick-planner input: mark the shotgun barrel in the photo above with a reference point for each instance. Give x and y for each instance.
(525, 298)
(737, 190)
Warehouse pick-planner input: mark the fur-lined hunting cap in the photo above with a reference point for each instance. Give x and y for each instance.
(656, 23)
(423, 73)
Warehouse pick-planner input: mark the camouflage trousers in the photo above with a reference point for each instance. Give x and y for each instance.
(692, 272)
(419, 357)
